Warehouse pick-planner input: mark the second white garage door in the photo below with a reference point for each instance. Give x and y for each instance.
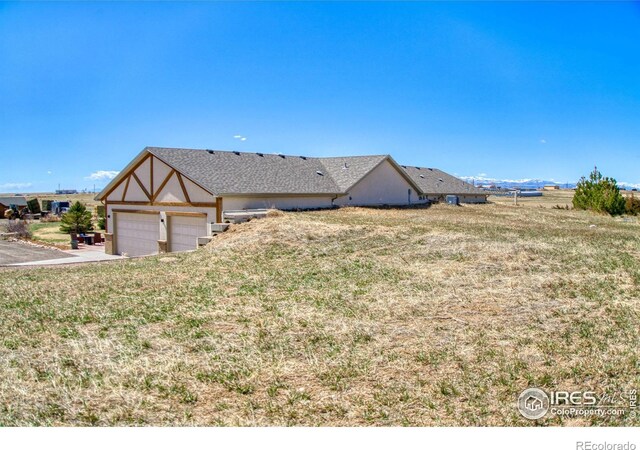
(184, 231)
(137, 234)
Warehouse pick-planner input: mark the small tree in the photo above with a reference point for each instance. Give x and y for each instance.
(599, 194)
(632, 205)
(102, 218)
(76, 220)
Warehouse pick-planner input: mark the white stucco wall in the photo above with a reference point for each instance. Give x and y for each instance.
(277, 202)
(461, 198)
(160, 172)
(473, 198)
(382, 186)
(116, 194)
(135, 193)
(196, 193)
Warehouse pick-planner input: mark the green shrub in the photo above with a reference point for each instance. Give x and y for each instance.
(632, 205)
(102, 219)
(76, 220)
(599, 194)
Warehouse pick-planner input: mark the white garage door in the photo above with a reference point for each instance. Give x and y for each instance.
(137, 234)
(184, 231)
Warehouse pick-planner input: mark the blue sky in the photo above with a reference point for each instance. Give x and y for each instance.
(510, 90)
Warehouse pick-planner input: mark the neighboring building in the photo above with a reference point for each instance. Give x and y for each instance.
(551, 187)
(5, 203)
(166, 198)
(66, 191)
(435, 185)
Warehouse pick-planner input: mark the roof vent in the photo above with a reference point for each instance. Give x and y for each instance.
(210, 152)
(281, 155)
(319, 173)
(417, 167)
(421, 176)
(404, 167)
(345, 165)
(440, 179)
(260, 154)
(237, 153)
(303, 157)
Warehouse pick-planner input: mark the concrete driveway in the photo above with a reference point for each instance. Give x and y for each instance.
(12, 252)
(16, 253)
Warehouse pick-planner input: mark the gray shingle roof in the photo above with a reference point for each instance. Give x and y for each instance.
(242, 173)
(225, 172)
(348, 170)
(434, 181)
(13, 200)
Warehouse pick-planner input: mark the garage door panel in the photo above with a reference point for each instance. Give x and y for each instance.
(137, 234)
(184, 232)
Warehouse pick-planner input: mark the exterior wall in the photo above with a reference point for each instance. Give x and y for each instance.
(384, 185)
(473, 199)
(196, 193)
(129, 190)
(172, 191)
(162, 217)
(461, 197)
(116, 194)
(277, 202)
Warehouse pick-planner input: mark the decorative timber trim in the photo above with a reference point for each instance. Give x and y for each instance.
(126, 188)
(135, 211)
(184, 189)
(218, 209)
(133, 169)
(144, 189)
(196, 204)
(185, 214)
(163, 184)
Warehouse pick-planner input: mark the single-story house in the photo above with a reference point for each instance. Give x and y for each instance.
(167, 198)
(435, 185)
(5, 203)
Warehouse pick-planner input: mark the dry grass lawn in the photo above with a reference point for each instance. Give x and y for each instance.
(438, 316)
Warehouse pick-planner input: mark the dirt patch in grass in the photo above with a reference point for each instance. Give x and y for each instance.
(346, 317)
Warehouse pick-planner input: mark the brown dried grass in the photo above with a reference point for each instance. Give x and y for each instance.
(346, 317)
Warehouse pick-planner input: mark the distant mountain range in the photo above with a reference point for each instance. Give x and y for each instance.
(531, 183)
